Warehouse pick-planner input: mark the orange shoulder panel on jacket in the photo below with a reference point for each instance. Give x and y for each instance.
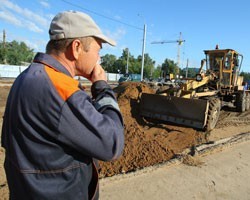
(64, 84)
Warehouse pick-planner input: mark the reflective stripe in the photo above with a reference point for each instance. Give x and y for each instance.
(105, 101)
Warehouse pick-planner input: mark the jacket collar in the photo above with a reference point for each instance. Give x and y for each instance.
(51, 62)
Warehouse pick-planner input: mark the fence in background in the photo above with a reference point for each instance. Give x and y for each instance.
(12, 71)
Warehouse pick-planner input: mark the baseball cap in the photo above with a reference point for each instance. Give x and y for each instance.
(74, 24)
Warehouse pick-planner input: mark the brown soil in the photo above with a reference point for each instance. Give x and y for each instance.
(147, 142)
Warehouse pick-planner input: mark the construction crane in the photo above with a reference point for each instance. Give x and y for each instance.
(179, 43)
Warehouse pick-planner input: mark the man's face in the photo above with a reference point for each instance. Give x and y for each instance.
(88, 59)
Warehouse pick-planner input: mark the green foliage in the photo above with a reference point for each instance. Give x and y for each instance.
(191, 72)
(108, 63)
(157, 72)
(113, 65)
(148, 66)
(15, 53)
(2, 54)
(169, 67)
(246, 75)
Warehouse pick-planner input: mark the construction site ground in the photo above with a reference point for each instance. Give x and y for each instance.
(219, 176)
(149, 166)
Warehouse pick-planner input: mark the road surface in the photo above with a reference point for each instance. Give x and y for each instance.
(221, 175)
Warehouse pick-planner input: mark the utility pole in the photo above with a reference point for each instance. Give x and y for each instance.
(127, 61)
(4, 46)
(143, 49)
(187, 69)
(4, 38)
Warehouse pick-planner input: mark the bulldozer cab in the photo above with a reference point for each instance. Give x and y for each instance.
(225, 66)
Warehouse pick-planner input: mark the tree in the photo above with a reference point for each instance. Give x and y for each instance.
(191, 72)
(121, 63)
(27, 53)
(169, 67)
(246, 75)
(148, 65)
(2, 54)
(108, 63)
(113, 65)
(134, 65)
(157, 72)
(15, 53)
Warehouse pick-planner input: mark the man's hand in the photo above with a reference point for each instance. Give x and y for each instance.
(98, 74)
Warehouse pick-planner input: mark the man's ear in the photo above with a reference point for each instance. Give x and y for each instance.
(76, 49)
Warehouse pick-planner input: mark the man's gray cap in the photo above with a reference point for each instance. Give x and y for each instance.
(73, 24)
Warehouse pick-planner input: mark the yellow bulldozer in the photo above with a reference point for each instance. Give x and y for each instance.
(197, 102)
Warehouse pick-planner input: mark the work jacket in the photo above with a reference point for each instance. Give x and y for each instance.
(53, 130)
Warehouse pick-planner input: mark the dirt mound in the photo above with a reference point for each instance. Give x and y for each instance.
(146, 142)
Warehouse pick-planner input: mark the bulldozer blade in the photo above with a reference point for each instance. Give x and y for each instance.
(188, 112)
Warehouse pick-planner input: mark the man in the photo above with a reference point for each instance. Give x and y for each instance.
(52, 130)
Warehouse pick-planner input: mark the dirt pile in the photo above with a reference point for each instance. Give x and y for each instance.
(146, 142)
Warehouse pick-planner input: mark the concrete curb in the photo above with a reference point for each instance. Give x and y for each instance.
(201, 150)
(222, 144)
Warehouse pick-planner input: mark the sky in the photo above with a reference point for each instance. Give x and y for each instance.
(202, 24)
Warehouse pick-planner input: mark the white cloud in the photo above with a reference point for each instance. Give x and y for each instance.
(8, 17)
(45, 4)
(24, 12)
(32, 27)
(117, 34)
(34, 17)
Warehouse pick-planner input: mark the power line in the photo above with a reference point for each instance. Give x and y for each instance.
(101, 15)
